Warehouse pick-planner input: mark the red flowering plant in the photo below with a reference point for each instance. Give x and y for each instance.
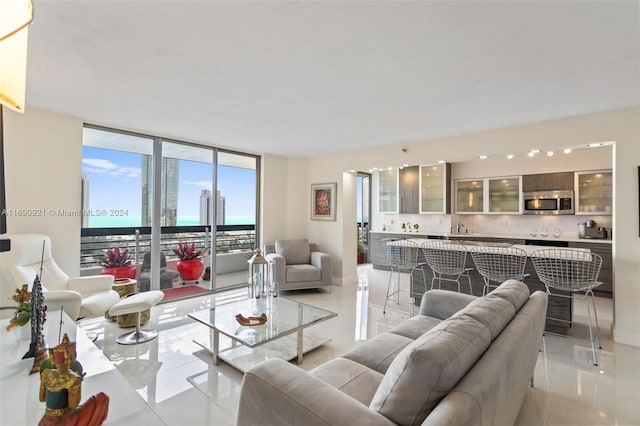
(188, 252)
(116, 259)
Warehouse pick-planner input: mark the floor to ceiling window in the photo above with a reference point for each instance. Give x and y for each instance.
(120, 171)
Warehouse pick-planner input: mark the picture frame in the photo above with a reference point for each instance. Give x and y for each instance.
(323, 201)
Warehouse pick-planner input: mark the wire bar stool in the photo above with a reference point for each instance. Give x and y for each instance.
(402, 255)
(571, 271)
(498, 264)
(447, 259)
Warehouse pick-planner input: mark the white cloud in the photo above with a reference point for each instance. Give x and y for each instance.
(102, 166)
(202, 183)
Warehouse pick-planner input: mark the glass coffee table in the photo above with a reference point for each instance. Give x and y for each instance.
(282, 336)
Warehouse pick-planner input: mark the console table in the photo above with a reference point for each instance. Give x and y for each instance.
(19, 390)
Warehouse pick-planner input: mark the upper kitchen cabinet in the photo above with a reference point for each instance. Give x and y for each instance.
(470, 196)
(593, 192)
(388, 191)
(435, 188)
(504, 195)
(547, 182)
(490, 195)
(409, 189)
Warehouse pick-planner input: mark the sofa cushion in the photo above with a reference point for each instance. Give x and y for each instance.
(352, 378)
(302, 273)
(491, 311)
(295, 252)
(416, 326)
(514, 291)
(379, 352)
(428, 368)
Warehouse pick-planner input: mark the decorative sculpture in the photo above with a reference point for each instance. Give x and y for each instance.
(251, 321)
(22, 315)
(38, 317)
(61, 389)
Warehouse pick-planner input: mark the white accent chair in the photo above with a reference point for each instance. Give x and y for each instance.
(297, 264)
(79, 297)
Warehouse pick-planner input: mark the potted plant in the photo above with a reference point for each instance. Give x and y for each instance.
(118, 264)
(190, 264)
(360, 253)
(404, 227)
(416, 226)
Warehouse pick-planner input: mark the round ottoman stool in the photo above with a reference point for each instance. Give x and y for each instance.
(135, 304)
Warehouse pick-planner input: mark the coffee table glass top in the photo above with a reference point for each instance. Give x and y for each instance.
(284, 316)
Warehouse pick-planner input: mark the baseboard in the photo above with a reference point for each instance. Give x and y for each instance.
(344, 281)
(625, 337)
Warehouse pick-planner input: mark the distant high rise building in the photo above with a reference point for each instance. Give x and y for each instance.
(84, 200)
(169, 195)
(205, 208)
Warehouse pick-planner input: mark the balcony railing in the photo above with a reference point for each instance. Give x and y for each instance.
(95, 241)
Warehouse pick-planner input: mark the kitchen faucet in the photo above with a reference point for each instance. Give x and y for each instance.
(459, 226)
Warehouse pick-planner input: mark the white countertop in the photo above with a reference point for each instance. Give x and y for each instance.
(528, 249)
(484, 235)
(19, 390)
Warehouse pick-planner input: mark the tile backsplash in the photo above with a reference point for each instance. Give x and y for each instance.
(517, 225)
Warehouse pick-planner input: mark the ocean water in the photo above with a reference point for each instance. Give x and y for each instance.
(131, 221)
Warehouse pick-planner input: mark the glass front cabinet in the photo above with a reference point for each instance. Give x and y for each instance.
(594, 192)
(434, 188)
(498, 195)
(470, 196)
(388, 191)
(504, 195)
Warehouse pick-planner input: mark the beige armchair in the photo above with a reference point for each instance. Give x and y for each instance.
(80, 297)
(297, 264)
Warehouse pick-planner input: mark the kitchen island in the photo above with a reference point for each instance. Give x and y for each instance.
(558, 307)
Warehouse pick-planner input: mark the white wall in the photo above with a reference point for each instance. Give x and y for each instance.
(43, 159)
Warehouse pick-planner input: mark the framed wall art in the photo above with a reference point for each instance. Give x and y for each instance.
(323, 201)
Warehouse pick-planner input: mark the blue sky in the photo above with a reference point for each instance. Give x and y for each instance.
(115, 183)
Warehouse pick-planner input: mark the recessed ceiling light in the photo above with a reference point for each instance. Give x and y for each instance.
(375, 168)
(549, 153)
(389, 168)
(594, 145)
(405, 165)
(510, 156)
(484, 157)
(531, 153)
(441, 161)
(567, 150)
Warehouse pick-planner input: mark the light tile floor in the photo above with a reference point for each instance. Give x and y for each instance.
(178, 381)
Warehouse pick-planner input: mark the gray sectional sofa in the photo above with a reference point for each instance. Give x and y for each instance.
(463, 360)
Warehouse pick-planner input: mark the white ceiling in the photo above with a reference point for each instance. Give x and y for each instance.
(307, 78)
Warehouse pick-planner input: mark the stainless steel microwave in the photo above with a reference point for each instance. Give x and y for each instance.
(548, 202)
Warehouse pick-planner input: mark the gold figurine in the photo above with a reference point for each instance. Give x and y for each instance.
(60, 388)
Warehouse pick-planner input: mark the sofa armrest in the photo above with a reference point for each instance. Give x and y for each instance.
(91, 284)
(278, 393)
(279, 267)
(322, 261)
(442, 304)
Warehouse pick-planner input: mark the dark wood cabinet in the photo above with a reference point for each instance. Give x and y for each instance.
(409, 189)
(548, 182)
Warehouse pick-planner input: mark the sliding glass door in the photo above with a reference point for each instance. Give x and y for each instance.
(121, 171)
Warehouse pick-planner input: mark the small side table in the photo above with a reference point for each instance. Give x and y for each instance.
(125, 287)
